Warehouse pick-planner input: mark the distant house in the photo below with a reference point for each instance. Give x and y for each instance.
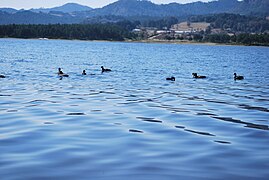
(145, 31)
(136, 30)
(187, 27)
(217, 31)
(182, 32)
(163, 32)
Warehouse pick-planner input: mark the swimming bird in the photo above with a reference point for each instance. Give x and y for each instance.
(84, 72)
(238, 77)
(105, 70)
(198, 77)
(2, 76)
(60, 73)
(171, 78)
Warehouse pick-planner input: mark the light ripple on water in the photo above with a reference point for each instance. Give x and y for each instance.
(131, 121)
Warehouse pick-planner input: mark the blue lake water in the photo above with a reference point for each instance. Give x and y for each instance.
(131, 123)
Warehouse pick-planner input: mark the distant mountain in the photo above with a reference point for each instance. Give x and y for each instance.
(8, 10)
(147, 8)
(29, 17)
(67, 8)
(132, 10)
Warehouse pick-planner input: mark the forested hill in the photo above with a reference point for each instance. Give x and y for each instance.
(234, 22)
(74, 13)
(147, 8)
(253, 7)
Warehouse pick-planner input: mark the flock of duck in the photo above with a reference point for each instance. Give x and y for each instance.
(195, 75)
(62, 74)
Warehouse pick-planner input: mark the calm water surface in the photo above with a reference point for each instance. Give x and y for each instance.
(131, 123)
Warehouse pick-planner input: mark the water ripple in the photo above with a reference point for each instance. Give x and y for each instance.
(132, 123)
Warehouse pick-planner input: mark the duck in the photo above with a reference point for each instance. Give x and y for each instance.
(105, 70)
(198, 77)
(2, 76)
(238, 77)
(60, 73)
(84, 72)
(171, 78)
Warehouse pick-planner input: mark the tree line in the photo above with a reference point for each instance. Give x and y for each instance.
(67, 31)
(244, 38)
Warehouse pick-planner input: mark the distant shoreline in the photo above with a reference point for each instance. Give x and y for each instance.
(193, 43)
(146, 41)
(175, 42)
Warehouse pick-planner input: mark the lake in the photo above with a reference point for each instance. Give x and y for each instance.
(131, 123)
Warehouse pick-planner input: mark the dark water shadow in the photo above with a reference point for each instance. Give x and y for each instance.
(135, 131)
(195, 132)
(13, 110)
(149, 119)
(244, 106)
(205, 114)
(250, 125)
(178, 110)
(5, 95)
(39, 101)
(222, 142)
(96, 110)
(48, 123)
(200, 133)
(76, 114)
(180, 127)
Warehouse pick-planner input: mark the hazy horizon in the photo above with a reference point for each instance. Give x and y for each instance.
(26, 4)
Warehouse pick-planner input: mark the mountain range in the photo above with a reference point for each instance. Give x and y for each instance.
(66, 8)
(76, 13)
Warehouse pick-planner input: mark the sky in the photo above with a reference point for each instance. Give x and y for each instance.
(28, 4)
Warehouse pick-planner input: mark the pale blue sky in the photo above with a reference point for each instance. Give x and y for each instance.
(27, 4)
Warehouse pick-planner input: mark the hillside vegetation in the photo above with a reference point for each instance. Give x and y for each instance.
(234, 22)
